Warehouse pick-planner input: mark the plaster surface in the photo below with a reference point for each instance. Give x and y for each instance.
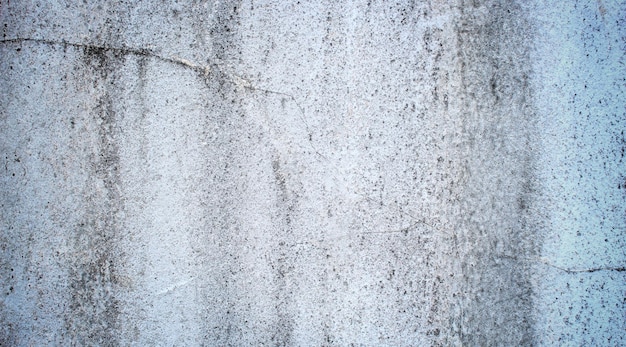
(425, 173)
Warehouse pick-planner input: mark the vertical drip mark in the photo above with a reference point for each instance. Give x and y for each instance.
(494, 229)
(94, 309)
(284, 325)
(226, 321)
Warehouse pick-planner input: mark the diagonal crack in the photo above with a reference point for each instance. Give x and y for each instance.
(587, 270)
(204, 70)
(404, 230)
(235, 79)
(123, 50)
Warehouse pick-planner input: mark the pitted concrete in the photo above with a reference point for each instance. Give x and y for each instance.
(291, 173)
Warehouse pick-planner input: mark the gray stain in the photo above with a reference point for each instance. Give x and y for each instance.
(94, 308)
(283, 262)
(495, 221)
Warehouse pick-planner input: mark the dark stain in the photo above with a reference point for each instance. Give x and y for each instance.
(8, 335)
(493, 84)
(281, 182)
(284, 328)
(95, 57)
(284, 325)
(493, 76)
(93, 313)
(224, 29)
(622, 146)
(328, 340)
(227, 321)
(223, 32)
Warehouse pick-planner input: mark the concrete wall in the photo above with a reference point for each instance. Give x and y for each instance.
(313, 173)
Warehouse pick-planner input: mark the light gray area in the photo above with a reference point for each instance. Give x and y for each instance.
(313, 173)
(580, 88)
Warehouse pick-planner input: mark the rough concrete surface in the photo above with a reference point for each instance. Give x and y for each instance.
(313, 173)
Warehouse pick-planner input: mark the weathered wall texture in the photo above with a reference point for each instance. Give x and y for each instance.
(313, 173)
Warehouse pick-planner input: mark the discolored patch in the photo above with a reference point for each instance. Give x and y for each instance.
(497, 237)
(94, 308)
